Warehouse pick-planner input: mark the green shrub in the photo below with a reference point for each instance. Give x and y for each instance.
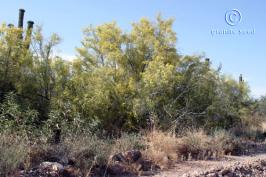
(14, 118)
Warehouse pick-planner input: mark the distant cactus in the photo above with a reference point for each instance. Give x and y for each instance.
(21, 18)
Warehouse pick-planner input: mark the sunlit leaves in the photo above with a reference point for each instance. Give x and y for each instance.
(119, 80)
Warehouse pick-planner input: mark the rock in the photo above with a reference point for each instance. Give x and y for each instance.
(51, 166)
(70, 171)
(132, 156)
(118, 158)
(98, 170)
(45, 169)
(71, 162)
(212, 175)
(230, 174)
(253, 169)
(147, 173)
(225, 172)
(263, 163)
(116, 169)
(129, 156)
(146, 165)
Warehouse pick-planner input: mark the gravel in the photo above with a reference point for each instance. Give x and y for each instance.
(230, 166)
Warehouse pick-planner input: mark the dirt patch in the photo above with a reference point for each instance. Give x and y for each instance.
(209, 168)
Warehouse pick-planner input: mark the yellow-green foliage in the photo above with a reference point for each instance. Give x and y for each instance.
(118, 80)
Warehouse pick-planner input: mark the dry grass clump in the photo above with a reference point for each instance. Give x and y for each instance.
(13, 151)
(161, 148)
(84, 151)
(89, 151)
(44, 152)
(250, 128)
(164, 149)
(197, 144)
(224, 142)
(128, 142)
(263, 126)
(194, 145)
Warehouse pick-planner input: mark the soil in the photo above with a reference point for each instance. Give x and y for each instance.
(253, 158)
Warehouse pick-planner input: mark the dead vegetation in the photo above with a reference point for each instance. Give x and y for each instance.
(89, 154)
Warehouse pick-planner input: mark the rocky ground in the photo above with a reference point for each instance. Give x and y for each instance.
(230, 166)
(251, 164)
(128, 163)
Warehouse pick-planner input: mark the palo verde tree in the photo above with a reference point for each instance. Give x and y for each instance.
(120, 81)
(124, 79)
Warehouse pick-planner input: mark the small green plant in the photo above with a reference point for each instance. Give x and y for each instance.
(14, 118)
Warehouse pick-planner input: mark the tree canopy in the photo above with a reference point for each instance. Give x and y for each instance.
(119, 81)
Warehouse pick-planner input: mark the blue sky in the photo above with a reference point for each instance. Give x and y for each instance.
(194, 22)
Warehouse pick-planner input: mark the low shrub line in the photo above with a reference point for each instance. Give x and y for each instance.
(86, 152)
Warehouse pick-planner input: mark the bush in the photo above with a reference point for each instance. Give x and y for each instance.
(128, 142)
(224, 142)
(13, 152)
(251, 125)
(15, 118)
(161, 148)
(193, 144)
(88, 150)
(196, 144)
